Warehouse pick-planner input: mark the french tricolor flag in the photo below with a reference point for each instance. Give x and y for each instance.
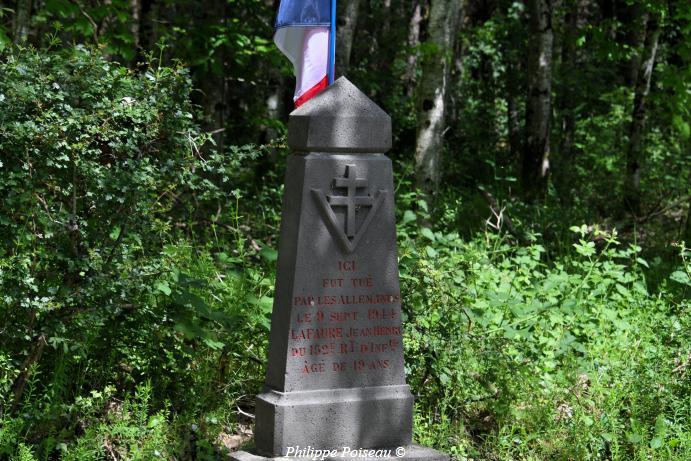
(305, 33)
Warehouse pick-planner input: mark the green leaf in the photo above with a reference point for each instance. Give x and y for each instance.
(633, 437)
(582, 229)
(213, 344)
(408, 217)
(660, 427)
(584, 248)
(164, 288)
(153, 422)
(509, 331)
(682, 126)
(268, 254)
(189, 329)
(680, 277)
(115, 233)
(622, 290)
(265, 303)
(642, 262)
(4, 40)
(427, 233)
(196, 305)
(444, 378)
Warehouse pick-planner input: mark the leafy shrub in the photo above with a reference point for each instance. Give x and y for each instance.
(128, 431)
(511, 357)
(104, 180)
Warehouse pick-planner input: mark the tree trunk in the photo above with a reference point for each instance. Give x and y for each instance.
(212, 79)
(572, 60)
(536, 150)
(22, 21)
(347, 22)
(687, 231)
(135, 24)
(456, 101)
(632, 182)
(512, 113)
(149, 29)
(20, 382)
(511, 48)
(635, 38)
(413, 42)
(386, 20)
(433, 93)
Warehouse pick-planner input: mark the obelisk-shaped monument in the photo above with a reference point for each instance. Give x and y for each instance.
(335, 377)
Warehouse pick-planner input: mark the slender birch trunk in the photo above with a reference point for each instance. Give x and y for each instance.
(512, 111)
(135, 25)
(635, 38)
(347, 22)
(632, 182)
(22, 21)
(456, 103)
(386, 20)
(513, 57)
(568, 98)
(413, 42)
(432, 94)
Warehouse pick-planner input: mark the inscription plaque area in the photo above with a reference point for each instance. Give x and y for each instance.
(338, 321)
(335, 376)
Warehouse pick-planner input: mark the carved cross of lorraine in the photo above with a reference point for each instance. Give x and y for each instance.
(351, 200)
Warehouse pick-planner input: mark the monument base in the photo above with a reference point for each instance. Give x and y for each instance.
(407, 453)
(378, 416)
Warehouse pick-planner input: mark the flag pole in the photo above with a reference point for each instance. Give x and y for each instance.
(332, 44)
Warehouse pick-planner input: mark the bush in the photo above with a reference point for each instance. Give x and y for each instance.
(513, 358)
(104, 179)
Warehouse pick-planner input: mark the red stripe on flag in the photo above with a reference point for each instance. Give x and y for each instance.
(315, 90)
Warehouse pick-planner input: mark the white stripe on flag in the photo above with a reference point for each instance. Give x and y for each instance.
(308, 50)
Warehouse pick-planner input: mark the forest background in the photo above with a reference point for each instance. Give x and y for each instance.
(542, 158)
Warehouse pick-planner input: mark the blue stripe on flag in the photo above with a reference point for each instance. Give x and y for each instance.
(304, 13)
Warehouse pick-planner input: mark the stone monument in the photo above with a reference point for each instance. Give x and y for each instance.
(335, 381)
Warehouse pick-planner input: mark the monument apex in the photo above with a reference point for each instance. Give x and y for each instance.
(340, 119)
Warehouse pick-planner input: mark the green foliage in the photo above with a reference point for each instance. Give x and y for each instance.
(89, 148)
(106, 23)
(128, 430)
(105, 181)
(4, 33)
(513, 358)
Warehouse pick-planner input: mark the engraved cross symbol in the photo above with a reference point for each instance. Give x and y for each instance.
(351, 200)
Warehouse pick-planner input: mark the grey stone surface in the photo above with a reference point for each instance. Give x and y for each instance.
(357, 417)
(335, 376)
(335, 373)
(409, 453)
(340, 119)
(337, 297)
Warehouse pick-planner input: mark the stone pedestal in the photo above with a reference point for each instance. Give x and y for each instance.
(335, 378)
